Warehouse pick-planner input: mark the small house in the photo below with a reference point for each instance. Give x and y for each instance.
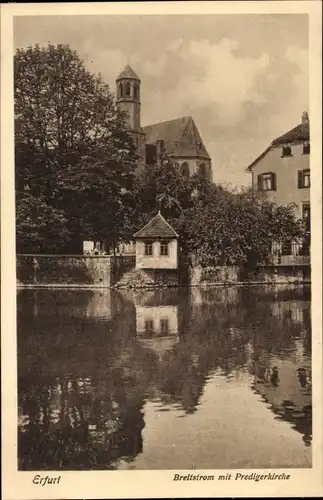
(156, 245)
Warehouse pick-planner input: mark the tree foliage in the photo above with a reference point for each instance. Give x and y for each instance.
(237, 229)
(72, 145)
(40, 227)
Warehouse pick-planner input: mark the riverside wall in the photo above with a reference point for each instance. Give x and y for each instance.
(72, 270)
(106, 271)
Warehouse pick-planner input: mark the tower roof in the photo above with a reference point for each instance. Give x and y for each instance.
(181, 137)
(128, 72)
(157, 227)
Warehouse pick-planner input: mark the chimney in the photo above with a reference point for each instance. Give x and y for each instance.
(305, 118)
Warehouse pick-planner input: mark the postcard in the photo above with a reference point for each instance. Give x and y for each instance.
(161, 173)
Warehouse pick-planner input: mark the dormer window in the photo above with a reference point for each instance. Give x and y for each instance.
(287, 150)
(306, 148)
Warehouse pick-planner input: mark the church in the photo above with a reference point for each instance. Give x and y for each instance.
(178, 139)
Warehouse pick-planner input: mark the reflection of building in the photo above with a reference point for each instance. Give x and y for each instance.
(294, 310)
(156, 245)
(157, 326)
(157, 321)
(287, 387)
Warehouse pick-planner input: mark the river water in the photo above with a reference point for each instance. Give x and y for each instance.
(199, 378)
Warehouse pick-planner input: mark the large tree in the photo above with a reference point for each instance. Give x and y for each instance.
(230, 228)
(72, 145)
(165, 187)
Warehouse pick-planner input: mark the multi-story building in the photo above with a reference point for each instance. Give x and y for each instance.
(282, 171)
(178, 139)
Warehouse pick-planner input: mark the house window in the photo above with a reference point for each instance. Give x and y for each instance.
(307, 216)
(287, 151)
(304, 178)
(148, 248)
(149, 325)
(306, 148)
(267, 182)
(164, 248)
(164, 328)
(287, 248)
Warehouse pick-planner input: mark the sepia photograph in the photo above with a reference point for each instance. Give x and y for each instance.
(161, 176)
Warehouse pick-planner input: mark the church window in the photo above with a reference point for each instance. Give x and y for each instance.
(185, 169)
(120, 90)
(151, 154)
(136, 91)
(128, 89)
(202, 170)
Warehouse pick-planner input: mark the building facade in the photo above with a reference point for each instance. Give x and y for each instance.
(282, 171)
(177, 139)
(156, 245)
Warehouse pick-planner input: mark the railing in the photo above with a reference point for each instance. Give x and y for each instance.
(287, 260)
(292, 254)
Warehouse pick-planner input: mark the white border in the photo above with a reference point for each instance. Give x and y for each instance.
(145, 484)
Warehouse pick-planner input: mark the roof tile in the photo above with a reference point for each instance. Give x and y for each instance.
(157, 227)
(181, 137)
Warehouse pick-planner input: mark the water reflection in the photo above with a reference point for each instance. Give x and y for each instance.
(96, 367)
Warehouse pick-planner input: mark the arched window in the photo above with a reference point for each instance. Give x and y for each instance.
(120, 90)
(185, 169)
(202, 170)
(136, 91)
(128, 89)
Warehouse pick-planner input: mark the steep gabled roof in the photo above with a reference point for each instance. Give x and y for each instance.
(297, 134)
(128, 72)
(181, 137)
(157, 227)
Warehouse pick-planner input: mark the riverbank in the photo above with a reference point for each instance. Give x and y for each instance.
(87, 272)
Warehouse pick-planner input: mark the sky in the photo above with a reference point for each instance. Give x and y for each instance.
(243, 78)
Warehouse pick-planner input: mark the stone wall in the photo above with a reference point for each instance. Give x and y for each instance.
(199, 275)
(72, 270)
(106, 271)
(263, 274)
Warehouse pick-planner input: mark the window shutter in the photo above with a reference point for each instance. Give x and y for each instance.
(300, 178)
(273, 182)
(259, 178)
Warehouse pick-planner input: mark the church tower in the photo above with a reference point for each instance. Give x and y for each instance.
(128, 97)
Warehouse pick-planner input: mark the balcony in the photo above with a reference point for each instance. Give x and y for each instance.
(287, 260)
(298, 254)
